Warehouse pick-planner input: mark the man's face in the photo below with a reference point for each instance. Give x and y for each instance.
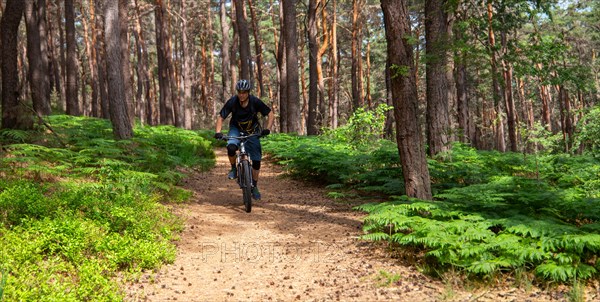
(243, 95)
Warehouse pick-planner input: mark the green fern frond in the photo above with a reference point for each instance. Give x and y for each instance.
(376, 236)
(556, 272)
(15, 135)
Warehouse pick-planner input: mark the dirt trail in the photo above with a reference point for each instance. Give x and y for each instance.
(295, 245)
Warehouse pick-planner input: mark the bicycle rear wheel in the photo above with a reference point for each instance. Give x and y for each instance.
(246, 184)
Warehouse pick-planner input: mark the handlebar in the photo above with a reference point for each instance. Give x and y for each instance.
(241, 137)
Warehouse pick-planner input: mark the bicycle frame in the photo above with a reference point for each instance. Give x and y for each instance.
(244, 169)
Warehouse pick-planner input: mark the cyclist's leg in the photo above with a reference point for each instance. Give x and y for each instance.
(254, 149)
(232, 147)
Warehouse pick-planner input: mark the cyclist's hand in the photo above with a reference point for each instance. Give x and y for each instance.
(265, 132)
(219, 135)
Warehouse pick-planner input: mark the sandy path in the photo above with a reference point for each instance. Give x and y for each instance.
(295, 245)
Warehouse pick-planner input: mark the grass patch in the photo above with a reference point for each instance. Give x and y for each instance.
(80, 210)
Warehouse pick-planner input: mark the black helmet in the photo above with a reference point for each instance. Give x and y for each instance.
(243, 85)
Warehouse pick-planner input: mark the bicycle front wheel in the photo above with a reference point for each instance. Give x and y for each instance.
(246, 184)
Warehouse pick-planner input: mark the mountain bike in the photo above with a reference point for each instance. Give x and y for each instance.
(244, 169)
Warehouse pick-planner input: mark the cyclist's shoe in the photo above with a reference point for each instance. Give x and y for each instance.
(255, 193)
(232, 174)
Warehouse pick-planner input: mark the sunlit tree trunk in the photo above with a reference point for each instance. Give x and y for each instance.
(186, 71)
(356, 69)
(322, 105)
(89, 38)
(291, 54)
(225, 54)
(260, 90)
(334, 88)
(122, 128)
(404, 91)
(126, 65)
(500, 144)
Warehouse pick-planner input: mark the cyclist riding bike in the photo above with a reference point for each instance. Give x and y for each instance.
(244, 109)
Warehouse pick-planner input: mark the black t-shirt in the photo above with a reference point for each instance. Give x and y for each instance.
(245, 119)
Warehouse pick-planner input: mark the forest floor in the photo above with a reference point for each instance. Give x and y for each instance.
(296, 244)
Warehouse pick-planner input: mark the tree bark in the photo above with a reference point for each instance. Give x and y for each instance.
(186, 71)
(313, 47)
(126, 65)
(322, 105)
(500, 143)
(54, 55)
(73, 104)
(14, 113)
(334, 88)
(244, 42)
(89, 37)
(259, 51)
(404, 91)
(122, 128)
(283, 79)
(437, 40)
(291, 53)
(356, 69)
(147, 101)
(225, 51)
(37, 56)
(164, 68)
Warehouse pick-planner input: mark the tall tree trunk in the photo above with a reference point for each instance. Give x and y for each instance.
(462, 100)
(186, 71)
(437, 40)
(500, 144)
(54, 54)
(404, 90)
(333, 90)
(283, 82)
(368, 77)
(101, 60)
(122, 128)
(164, 73)
(225, 51)
(356, 69)
(291, 54)
(38, 60)
(73, 105)
(14, 113)
(322, 105)
(244, 46)
(89, 38)
(126, 65)
(147, 103)
(258, 48)
(63, 57)
(313, 47)
(509, 102)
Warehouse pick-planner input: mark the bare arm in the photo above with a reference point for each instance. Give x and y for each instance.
(270, 120)
(219, 124)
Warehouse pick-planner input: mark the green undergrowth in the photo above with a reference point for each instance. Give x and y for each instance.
(492, 214)
(79, 210)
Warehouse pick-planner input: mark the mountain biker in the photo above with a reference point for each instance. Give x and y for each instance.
(244, 109)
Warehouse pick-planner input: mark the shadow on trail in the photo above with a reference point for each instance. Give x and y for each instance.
(288, 206)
